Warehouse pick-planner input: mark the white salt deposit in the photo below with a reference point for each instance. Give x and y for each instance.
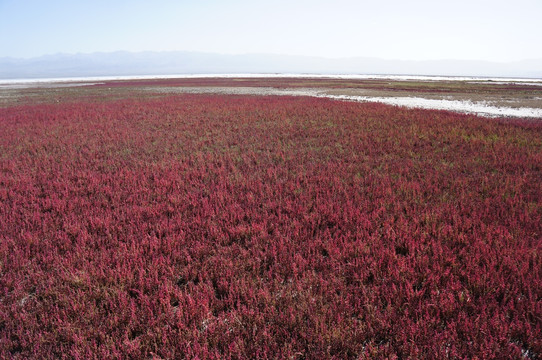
(468, 107)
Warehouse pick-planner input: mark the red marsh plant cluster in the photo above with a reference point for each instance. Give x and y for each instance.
(228, 227)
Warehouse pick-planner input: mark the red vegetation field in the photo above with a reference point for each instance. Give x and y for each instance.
(223, 227)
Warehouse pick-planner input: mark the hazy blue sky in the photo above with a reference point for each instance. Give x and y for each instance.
(394, 29)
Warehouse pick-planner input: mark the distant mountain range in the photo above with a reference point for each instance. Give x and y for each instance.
(180, 62)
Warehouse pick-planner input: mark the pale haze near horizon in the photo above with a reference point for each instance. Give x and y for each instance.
(407, 30)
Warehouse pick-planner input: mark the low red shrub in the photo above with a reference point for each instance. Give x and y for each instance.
(267, 227)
